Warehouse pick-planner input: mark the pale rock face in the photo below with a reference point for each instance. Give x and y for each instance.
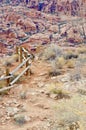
(53, 28)
(33, 13)
(21, 33)
(39, 38)
(21, 24)
(51, 18)
(12, 17)
(11, 111)
(26, 24)
(12, 35)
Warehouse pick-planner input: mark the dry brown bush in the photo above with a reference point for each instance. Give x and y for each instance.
(51, 52)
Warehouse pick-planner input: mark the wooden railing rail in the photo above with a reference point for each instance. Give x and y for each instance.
(24, 58)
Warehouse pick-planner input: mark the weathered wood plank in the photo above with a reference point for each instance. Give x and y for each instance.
(6, 88)
(19, 66)
(6, 77)
(20, 75)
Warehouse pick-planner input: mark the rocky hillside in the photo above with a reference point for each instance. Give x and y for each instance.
(72, 7)
(53, 96)
(22, 25)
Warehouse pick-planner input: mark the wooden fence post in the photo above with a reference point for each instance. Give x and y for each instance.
(20, 54)
(26, 63)
(25, 54)
(7, 74)
(16, 49)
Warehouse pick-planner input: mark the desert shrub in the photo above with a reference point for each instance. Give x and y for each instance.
(23, 95)
(75, 76)
(71, 113)
(2, 84)
(81, 50)
(70, 55)
(10, 60)
(82, 91)
(59, 63)
(4, 93)
(57, 91)
(70, 63)
(82, 59)
(51, 52)
(7, 63)
(54, 73)
(60, 93)
(15, 57)
(68, 120)
(72, 126)
(54, 85)
(20, 119)
(1, 72)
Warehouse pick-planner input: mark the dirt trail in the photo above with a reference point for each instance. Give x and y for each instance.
(44, 112)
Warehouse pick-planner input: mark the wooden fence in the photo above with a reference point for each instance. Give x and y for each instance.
(25, 59)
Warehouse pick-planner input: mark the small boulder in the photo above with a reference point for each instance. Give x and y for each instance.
(21, 119)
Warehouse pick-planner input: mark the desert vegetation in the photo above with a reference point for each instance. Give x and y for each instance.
(42, 65)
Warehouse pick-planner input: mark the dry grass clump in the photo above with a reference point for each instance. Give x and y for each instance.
(82, 59)
(67, 119)
(53, 85)
(62, 126)
(70, 114)
(60, 93)
(1, 72)
(7, 62)
(54, 73)
(60, 62)
(2, 84)
(51, 52)
(54, 54)
(81, 50)
(23, 95)
(56, 90)
(57, 65)
(75, 76)
(4, 93)
(70, 54)
(82, 91)
(70, 63)
(10, 60)
(15, 57)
